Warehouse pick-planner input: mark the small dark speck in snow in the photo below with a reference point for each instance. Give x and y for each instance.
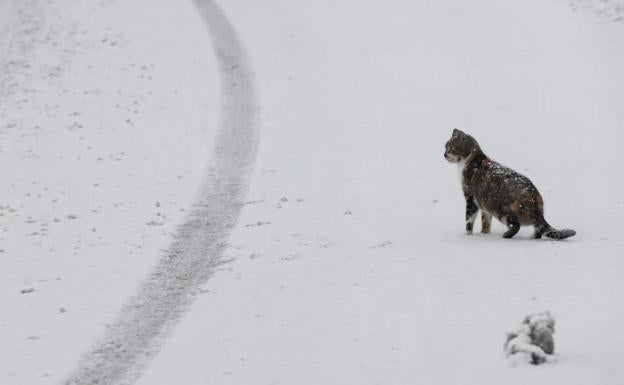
(154, 223)
(27, 290)
(382, 244)
(435, 201)
(259, 223)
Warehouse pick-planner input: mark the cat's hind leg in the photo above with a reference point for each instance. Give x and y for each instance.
(486, 222)
(513, 225)
(539, 230)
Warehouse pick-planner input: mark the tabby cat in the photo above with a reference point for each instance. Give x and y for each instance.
(497, 191)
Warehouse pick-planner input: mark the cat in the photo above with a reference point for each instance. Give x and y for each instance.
(497, 191)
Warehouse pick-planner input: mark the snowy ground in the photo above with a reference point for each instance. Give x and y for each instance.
(352, 265)
(105, 126)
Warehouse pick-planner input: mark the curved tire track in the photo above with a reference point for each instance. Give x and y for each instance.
(150, 315)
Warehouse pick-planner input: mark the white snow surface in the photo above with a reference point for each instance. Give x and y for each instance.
(350, 261)
(106, 123)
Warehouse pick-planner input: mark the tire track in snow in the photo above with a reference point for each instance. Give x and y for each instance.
(150, 315)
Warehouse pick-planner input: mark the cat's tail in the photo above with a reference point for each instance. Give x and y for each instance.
(559, 234)
(553, 233)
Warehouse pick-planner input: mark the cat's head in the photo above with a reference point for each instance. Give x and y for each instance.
(460, 147)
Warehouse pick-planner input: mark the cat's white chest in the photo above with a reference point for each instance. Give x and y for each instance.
(460, 169)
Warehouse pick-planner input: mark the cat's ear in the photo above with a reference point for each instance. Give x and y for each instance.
(457, 132)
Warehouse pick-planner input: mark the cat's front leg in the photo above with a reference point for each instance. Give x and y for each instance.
(471, 213)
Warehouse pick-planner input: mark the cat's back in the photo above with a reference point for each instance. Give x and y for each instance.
(501, 178)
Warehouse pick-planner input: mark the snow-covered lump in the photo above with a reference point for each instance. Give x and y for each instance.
(532, 341)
